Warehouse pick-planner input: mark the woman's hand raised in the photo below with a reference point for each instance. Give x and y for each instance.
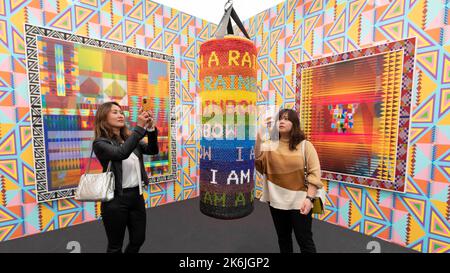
(143, 118)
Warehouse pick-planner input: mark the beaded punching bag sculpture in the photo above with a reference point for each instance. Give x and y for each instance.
(228, 97)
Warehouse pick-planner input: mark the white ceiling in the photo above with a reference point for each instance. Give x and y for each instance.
(212, 10)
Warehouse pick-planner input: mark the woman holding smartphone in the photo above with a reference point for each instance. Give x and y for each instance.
(125, 149)
(290, 200)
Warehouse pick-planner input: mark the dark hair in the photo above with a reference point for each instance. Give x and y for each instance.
(296, 135)
(102, 128)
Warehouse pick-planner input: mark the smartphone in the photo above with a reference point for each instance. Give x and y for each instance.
(267, 113)
(145, 104)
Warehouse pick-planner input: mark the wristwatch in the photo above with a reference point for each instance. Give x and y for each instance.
(310, 198)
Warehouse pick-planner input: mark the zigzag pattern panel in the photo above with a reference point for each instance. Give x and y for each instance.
(356, 108)
(300, 31)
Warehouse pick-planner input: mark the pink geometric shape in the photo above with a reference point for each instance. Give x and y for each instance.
(381, 3)
(29, 208)
(299, 11)
(398, 214)
(16, 200)
(386, 202)
(88, 216)
(426, 149)
(396, 238)
(334, 191)
(272, 13)
(166, 12)
(5, 65)
(36, 14)
(425, 174)
(341, 222)
(118, 8)
(31, 229)
(21, 101)
(19, 78)
(437, 22)
(328, 18)
(281, 57)
(9, 112)
(441, 137)
(93, 27)
(104, 21)
(49, 7)
(437, 187)
(198, 24)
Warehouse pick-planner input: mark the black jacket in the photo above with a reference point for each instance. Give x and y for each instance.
(107, 149)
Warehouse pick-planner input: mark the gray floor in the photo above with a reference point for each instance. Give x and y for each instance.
(180, 227)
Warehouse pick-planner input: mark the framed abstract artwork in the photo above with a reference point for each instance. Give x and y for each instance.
(69, 77)
(355, 108)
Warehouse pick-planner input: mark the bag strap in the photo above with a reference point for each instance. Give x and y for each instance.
(90, 159)
(305, 165)
(225, 26)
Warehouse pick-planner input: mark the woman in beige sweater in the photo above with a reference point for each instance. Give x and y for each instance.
(290, 201)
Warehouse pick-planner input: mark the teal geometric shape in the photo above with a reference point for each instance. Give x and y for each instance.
(384, 195)
(332, 185)
(434, 10)
(11, 194)
(33, 217)
(400, 227)
(441, 195)
(422, 161)
(344, 210)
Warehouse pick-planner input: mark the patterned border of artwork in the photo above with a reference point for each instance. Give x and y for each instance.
(43, 192)
(406, 49)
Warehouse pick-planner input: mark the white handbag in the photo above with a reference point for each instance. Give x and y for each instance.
(96, 187)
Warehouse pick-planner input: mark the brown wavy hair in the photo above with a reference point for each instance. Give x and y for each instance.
(102, 128)
(296, 135)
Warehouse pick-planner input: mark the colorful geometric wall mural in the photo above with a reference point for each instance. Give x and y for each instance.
(355, 107)
(293, 32)
(70, 76)
(299, 31)
(138, 24)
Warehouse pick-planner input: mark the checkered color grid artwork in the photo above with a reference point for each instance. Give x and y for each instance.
(342, 116)
(299, 31)
(77, 74)
(366, 142)
(140, 24)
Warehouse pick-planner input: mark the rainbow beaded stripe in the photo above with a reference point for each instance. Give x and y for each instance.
(228, 97)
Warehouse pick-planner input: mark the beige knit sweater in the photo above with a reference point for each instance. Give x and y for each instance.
(284, 186)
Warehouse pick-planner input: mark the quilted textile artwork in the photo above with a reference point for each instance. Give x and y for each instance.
(356, 109)
(228, 97)
(74, 79)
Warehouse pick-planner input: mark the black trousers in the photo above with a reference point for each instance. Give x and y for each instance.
(126, 211)
(287, 220)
